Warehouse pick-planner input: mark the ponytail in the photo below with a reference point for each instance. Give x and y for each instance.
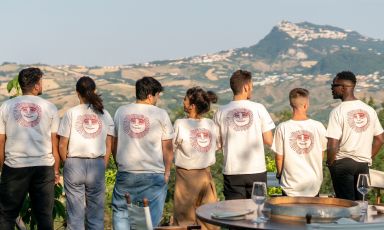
(86, 87)
(96, 102)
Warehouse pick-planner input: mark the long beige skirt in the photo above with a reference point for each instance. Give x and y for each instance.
(193, 188)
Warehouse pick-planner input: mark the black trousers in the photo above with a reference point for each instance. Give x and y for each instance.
(240, 186)
(344, 174)
(15, 183)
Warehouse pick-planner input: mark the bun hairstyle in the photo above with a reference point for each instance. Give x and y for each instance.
(86, 87)
(201, 99)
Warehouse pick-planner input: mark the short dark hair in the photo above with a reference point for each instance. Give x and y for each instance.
(238, 79)
(201, 99)
(147, 86)
(28, 78)
(297, 93)
(347, 75)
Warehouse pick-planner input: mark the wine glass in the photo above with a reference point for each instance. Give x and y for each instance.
(259, 195)
(363, 186)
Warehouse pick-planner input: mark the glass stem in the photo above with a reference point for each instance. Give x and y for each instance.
(363, 197)
(258, 211)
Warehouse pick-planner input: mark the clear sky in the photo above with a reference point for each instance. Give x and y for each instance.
(113, 32)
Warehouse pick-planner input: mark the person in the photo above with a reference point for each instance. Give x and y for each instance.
(299, 146)
(195, 144)
(143, 152)
(244, 126)
(85, 145)
(29, 155)
(354, 137)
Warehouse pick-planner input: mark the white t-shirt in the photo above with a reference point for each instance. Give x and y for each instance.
(302, 144)
(195, 143)
(140, 129)
(241, 126)
(355, 124)
(86, 130)
(28, 122)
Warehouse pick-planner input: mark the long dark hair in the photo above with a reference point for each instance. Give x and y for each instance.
(86, 87)
(201, 99)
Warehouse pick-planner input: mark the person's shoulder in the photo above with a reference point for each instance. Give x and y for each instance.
(316, 123)
(106, 113)
(285, 124)
(209, 120)
(366, 106)
(72, 110)
(180, 121)
(241, 104)
(123, 107)
(157, 110)
(8, 102)
(254, 105)
(338, 108)
(224, 107)
(49, 104)
(260, 106)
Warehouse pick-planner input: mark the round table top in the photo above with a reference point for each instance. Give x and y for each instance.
(204, 213)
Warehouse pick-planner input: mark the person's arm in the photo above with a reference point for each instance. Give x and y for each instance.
(55, 152)
(167, 157)
(2, 150)
(378, 141)
(268, 138)
(108, 143)
(332, 148)
(279, 159)
(63, 148)
(114, 149)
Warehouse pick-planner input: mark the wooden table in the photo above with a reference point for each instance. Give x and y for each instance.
(204, 214)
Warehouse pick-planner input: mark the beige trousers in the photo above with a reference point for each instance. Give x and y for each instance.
(193, 188)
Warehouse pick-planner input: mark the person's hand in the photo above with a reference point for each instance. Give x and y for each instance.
(166, 176)
(278, 176)
(57, 177)
(329, 163)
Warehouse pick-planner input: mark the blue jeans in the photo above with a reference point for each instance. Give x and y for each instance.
(84, 185)
(139, 185)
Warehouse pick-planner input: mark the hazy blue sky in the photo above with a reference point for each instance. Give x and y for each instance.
(112, 32)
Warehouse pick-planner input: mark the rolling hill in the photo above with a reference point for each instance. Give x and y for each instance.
(291, 55)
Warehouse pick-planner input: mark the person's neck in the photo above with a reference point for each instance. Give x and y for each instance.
(146, 102)
(82, 101)
(240, 97)
(30, 94)
(349, 97)
(299, 115)
(193, 115)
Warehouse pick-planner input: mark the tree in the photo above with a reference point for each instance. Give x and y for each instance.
(14, 87)
(284, 115)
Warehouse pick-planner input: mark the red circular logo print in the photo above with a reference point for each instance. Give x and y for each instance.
(27, 114)
(358, 120)
(239, 119)
(136, 125)
(89, 125)
(200, 139)
(301, 141)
